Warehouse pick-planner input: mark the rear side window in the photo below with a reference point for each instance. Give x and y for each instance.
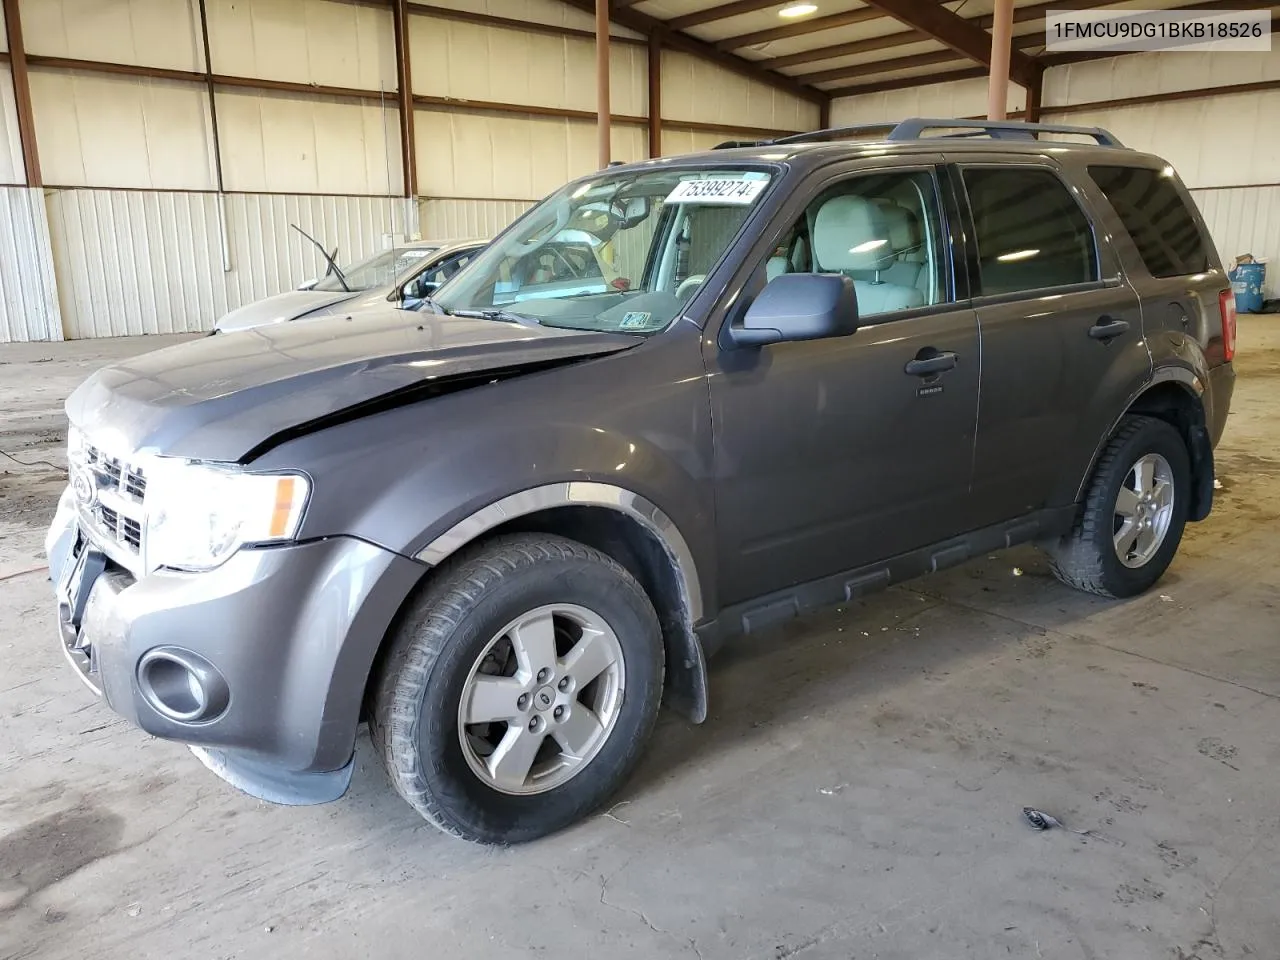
(1031, 233)
(1163, 229)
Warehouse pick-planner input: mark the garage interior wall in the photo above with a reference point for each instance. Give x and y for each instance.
(129, 233)
(1224, 145)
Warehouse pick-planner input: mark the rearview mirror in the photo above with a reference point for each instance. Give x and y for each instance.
(799, 306)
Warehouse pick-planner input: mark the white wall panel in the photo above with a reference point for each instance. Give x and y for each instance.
(510, 157)
(554, 12)
(470, 61)
(1141, 75)
(693, 89)
(308, 41)
(11, 169)
(960, 98)
(154, 33)
(99, 130)
(1245, 220)
(676, 142)
(28, 294)
(278, 143)
(132, 262)
(1215, 141)
(463, 219)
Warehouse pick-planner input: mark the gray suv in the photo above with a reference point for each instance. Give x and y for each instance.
(502, 531)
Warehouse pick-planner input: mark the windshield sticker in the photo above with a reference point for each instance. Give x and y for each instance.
(717, 191)
(633, 320)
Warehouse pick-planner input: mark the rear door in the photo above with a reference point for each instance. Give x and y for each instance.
(1062, 344)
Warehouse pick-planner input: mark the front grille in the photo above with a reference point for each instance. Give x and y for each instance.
(109, 498)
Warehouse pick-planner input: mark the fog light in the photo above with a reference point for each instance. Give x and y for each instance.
(182, 686)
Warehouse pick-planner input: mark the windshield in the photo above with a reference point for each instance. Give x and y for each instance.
(381, 270)
(620, 253)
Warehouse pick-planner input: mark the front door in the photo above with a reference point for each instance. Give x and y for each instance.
(835, 453)
(1062, 343)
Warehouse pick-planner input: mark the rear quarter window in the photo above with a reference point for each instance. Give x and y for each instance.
(1156, 217)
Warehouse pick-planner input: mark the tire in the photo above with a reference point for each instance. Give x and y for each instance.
(480, 622)
(1088, 558)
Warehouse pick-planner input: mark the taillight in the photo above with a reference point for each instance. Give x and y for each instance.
(1227, 307)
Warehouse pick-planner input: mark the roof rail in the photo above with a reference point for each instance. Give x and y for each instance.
(915, 127)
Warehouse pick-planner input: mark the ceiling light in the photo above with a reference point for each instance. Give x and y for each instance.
(798, 10)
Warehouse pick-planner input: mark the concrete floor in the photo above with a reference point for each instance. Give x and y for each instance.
(856, 793)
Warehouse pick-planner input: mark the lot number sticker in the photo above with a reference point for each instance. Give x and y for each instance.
(717, 191)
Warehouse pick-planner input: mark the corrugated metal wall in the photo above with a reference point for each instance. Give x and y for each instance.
(28, 295)
(1245, 220)
(133, 262)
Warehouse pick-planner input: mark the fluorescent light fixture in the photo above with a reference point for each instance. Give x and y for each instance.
(1017, 255)
(867, 246)
(794, 10)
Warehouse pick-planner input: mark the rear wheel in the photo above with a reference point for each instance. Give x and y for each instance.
(520, 689)
(1133, 515)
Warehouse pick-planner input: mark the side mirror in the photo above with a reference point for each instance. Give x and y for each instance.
(799, 306)
(419, 290)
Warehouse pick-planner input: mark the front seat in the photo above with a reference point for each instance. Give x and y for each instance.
(851, 235)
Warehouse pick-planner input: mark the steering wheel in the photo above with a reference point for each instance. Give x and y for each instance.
(688, 285)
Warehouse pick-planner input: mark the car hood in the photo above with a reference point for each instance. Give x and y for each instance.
(283, 306)
(225, 397)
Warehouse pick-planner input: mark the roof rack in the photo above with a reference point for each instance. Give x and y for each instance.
(915, 127)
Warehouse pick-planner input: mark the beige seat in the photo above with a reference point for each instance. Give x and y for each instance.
(852, 235)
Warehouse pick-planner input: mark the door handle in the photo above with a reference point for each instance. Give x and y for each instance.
(1107, 328)
(927, 365)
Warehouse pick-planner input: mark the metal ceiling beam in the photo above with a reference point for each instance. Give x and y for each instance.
(723, 12)
(955, 32)
(902, 83)
(799, 29)
(874, 67)
(675, 40)
(903, 37)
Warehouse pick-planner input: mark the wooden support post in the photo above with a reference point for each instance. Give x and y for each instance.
(655, 95)
(22, 93)
(1035, 95)
(602, 81)
(1001, 47)
(404, 90)
(824, 114)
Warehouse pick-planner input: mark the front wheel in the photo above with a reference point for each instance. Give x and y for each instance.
(1133, 515)
(520, 689)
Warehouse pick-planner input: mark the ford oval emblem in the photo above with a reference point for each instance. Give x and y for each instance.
(84, 488)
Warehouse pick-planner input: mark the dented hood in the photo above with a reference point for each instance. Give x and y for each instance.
(219, 398)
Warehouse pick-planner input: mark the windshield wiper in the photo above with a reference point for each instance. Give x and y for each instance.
(333, 264)
(505, 316)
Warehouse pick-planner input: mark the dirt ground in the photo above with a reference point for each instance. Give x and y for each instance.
(856, 793)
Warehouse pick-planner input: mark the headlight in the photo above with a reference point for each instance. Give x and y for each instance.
(198, 514)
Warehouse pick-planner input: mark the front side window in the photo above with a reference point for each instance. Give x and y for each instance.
(882, 231)
(1031, 233)
(618, 252)
(1156, 217)
(381, 270)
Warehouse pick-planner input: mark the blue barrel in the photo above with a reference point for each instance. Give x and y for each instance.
(1246, 283)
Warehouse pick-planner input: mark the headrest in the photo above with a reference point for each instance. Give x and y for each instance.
(904, 228)
(851, 233)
